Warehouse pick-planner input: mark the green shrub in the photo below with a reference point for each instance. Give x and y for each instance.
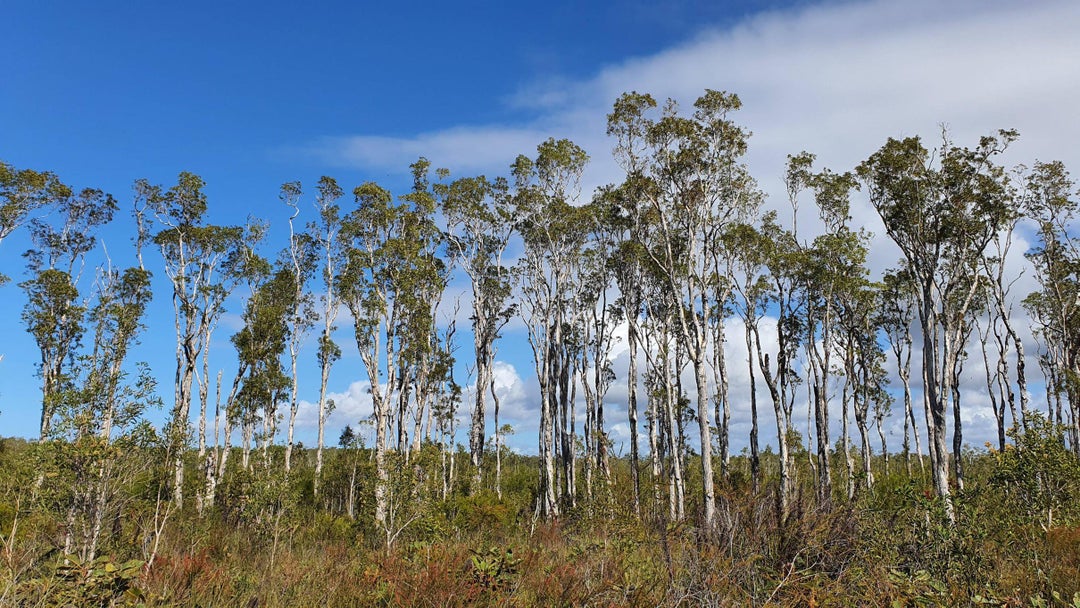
(1039, 476)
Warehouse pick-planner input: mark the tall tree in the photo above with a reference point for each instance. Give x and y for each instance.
(696, 184)
(92, 405)
(420, 280)
(723, 285)
(624, 223)
(831, 271)
(253, 270)
(999, 306)
(260, 345)
(1049, 195)
(864, 373)
(54, 312)
(328, 231)
(597, 331)
(748, 253)
(391, 283)
(784, 262)
(942, 216)
(302, 260)
(364, 288)
(117, 317)
(199, 260)
(762, 267)
(553, 235)
(478, 231)
(665, 398)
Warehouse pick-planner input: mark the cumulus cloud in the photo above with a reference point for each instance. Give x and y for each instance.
(350, 407)
(518, 399)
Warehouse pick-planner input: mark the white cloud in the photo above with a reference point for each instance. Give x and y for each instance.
(833, 79)
(488, 147)
(836, 79)
(350, 407)
(519, 406)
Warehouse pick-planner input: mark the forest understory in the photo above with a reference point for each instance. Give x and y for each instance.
(270, 542)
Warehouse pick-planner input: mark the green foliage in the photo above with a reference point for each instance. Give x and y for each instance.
(99, 583)
(494, 569)
(269, 539)
(1038, 476)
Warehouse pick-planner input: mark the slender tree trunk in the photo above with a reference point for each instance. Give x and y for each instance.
(324, 379)
(958, 426)
(204, 393)
(811, 456)
(382, 482)
(884, 445)
(248, 432)
(603, 463)
(864, 436)
(186, 369)
(654, 418)
(230, 413)
(627, 279)
(498, 441)
(350, 506)
(820, 380)
(420, 409)
(672, 395)
(708, 493)
(783, 423)
(849, 464)
(935, 404)
(294, 405)
(566, 427)
(484, 377)
(909, 410)
(862, 422)
(1021, 374)
(205, 498)
(268, 432)
(632, 413)
(1005, 393)
(549, 506)
(589, 430)
(723, 405)
(994, 388)
(755, 460)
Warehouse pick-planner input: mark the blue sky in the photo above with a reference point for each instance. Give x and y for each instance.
(105, 91)
(253, 95)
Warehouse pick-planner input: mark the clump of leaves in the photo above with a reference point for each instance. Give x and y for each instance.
(494, 569)
(917, 589)
(101, 582)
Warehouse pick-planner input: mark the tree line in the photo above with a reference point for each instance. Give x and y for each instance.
(672, 253)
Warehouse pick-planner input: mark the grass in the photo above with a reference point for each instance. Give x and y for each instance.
(275, 545)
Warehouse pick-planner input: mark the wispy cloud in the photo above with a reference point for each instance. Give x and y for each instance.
(464, 149)
(835, 79)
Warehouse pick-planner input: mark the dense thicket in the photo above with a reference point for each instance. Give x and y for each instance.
(672, 258)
